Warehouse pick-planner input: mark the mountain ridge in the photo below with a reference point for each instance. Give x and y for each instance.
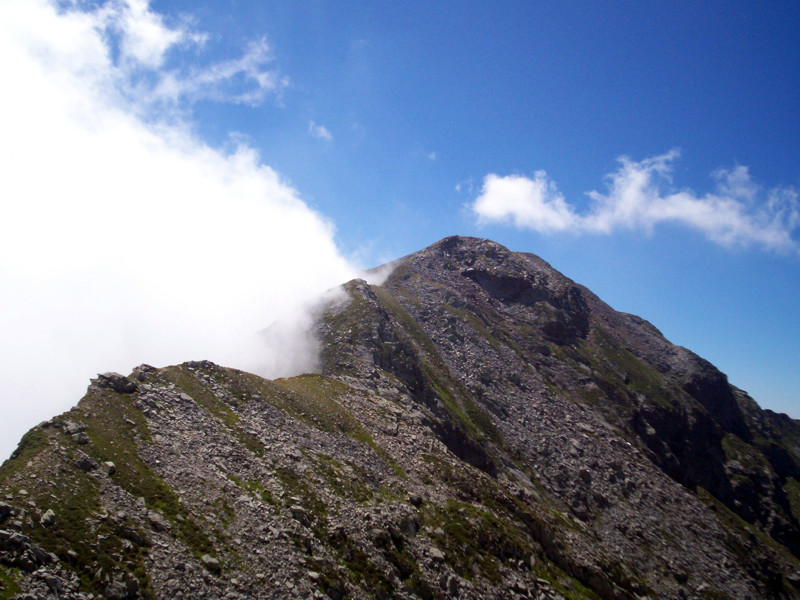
(481, 427)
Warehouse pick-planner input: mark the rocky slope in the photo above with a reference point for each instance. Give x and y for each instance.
(481, 427)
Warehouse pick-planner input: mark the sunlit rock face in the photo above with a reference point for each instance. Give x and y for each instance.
(481, 427)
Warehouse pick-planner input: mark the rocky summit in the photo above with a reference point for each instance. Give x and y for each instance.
(481, 427)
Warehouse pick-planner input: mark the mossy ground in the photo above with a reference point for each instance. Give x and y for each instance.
(9, 587)
(476, 323)
(737, 540)
(83, 533)
(256, 488)
(312, 398)
(112, 439)
(475, 541)
(183, 378)
(346, 482)
(746, 455)
(31, 444)
(465, 412)
(618, 368)
(792, 489)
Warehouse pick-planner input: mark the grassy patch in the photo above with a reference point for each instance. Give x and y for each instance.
(476, 541)
(750, 458)
(312, 398)
(256, 488)
(360, 567)
(474, 321)
(224, 512)
(297, 486)
(97, 541)
(566, 585)
(112, 439)
(345, 324)
(31, 444)
(641, 377)
(792, 489)
(8, 582)
(200, 393)
(473, 420)
(592, 396)
(739, 531)
(363, 571)
(82, 535)
(345, 483)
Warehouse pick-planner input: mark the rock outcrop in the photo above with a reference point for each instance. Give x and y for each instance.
(482, 427)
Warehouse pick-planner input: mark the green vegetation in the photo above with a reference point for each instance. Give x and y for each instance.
(472, 419)
(200, 393)
(402, 272)
(351, 318)
(363, 570)
(256, 488)
(297, 487)
(751, 459)
(475, 541)
(474, 321)
(592, 395)
(740, 532)
(31, 444)
(506, 527)
(312, 398)
(330, 582)
(618, 373)
(82, 534)
(792, 489)
(341, 482)
(95, 539)
(641, 377)
(110, 415)
(8, 583)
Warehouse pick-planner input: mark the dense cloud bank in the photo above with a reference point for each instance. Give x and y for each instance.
(125, 238)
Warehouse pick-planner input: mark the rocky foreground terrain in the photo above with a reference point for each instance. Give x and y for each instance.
(480, 427)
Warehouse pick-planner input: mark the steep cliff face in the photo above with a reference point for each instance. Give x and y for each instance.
(482, 427)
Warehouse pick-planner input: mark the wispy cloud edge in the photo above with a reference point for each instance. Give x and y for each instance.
(319, 131)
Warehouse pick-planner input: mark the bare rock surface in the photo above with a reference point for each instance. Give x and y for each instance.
(482, 428)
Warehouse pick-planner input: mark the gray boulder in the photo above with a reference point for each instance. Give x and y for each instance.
(115, 381)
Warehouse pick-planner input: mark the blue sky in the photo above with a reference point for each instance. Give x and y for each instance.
(647, 150)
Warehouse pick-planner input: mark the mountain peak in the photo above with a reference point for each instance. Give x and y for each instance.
(460, 252)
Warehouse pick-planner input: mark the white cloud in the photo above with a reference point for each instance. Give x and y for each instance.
(319, 131)
(243, 80)
(640, 195)
(124, 238)
(144, 36)
(144, 60)
(526, 203)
